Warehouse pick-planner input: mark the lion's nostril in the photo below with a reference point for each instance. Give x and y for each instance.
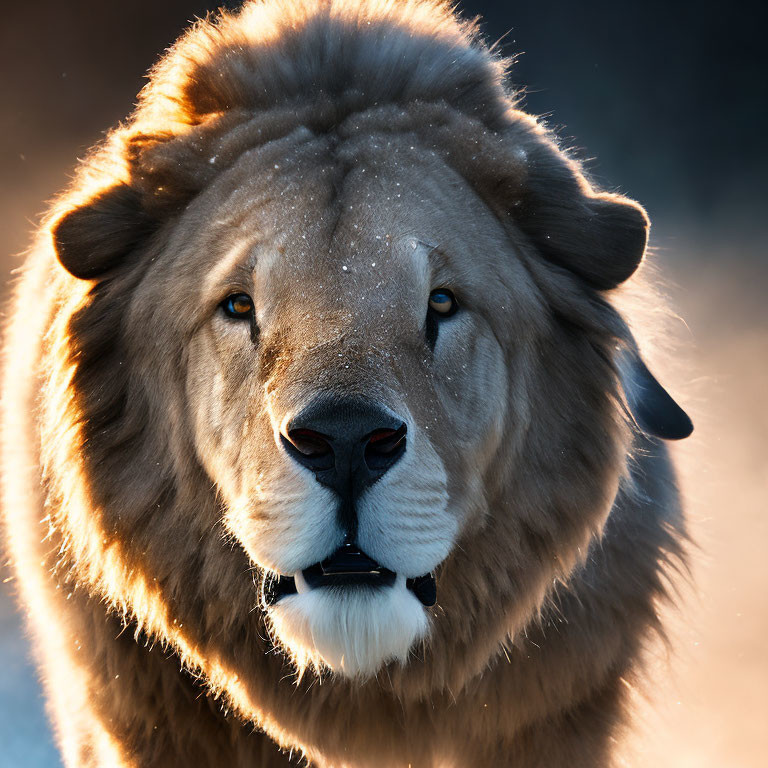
(310, 443)
(386, 441)
(380, 436)
(310, 448)
(384, 446)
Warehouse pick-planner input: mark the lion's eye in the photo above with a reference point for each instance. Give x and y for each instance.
(443, 302)
(238, 305)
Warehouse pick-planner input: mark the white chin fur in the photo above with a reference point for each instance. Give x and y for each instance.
(351, 630)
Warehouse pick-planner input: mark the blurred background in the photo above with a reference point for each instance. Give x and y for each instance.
(669, 98)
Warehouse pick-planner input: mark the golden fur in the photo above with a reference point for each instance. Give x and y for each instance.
(337, 160)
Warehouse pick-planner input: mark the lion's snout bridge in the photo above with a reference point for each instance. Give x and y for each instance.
(347, 442)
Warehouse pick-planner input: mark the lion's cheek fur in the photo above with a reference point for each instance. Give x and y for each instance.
(352, 632)
(284, 520)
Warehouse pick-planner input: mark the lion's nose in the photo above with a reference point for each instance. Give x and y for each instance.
(348, 443)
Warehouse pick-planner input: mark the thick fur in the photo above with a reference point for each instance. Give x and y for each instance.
(336, 160)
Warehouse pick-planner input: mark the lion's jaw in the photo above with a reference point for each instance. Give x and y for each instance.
(352, 630)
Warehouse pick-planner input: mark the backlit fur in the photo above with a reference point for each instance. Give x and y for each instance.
(337, 160)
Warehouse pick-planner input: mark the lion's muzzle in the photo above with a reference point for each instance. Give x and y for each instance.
(358, 599)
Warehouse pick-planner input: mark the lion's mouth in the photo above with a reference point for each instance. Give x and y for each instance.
(348, 566)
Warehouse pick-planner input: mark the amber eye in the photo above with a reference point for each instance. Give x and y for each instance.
(443, 302)
(238, 305)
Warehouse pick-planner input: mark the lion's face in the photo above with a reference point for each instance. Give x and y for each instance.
(358, 389)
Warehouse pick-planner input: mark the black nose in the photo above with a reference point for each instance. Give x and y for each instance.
(348, 443)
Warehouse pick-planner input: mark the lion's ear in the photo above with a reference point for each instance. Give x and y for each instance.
(651, 406)
(599, 236)
(96, 236)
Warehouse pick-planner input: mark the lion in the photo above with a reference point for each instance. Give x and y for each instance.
(324, 438)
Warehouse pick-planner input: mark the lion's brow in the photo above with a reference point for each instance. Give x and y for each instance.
(432, 249)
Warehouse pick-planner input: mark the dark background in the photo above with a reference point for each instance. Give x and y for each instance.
(669, 98)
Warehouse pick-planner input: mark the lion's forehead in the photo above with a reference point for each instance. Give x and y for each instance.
(324, 231)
